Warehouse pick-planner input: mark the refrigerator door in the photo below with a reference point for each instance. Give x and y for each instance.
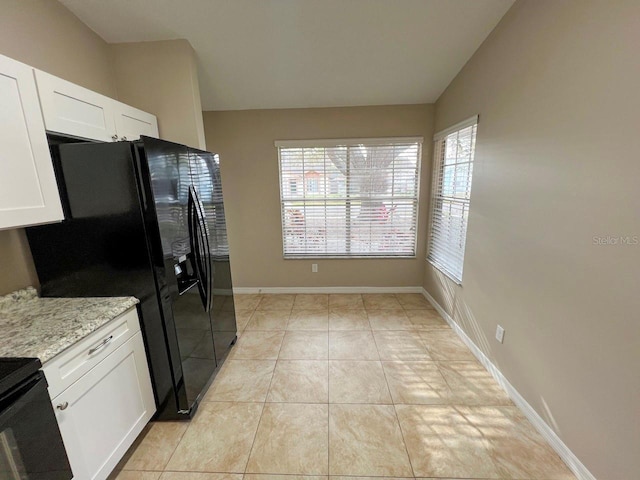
(180, 261)
(101, 248)
(206, 180)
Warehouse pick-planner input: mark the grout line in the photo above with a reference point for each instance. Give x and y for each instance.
(406, 449)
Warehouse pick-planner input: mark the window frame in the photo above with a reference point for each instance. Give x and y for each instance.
(437, 198)
(351, 142)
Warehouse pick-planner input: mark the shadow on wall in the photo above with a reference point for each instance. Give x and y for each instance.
(454, 303)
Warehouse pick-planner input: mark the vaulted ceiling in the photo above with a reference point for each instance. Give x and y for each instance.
(308, 53)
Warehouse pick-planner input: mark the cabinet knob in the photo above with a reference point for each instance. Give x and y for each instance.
(114, 138)
(62, 406)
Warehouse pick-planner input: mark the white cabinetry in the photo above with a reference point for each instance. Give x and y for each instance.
(105, 397)
(73, 110)
(28, 190)
(131, 122)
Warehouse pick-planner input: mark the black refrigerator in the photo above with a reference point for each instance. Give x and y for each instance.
(146, 219)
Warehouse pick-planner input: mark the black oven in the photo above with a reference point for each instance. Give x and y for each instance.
(31, 446)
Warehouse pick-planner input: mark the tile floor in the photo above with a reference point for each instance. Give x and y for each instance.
(346, 386)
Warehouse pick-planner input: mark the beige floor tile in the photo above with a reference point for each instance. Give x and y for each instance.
(340, 477)
(445, 345)
(311, 302)
(246, 302)
(346, 319)
(381, 301)
(134, 475)
(352, 345)
(261, 476)
(242, 381)
(305, 345)
(292, 438)
(276, 302)
(347, 301)
(471, 384)
(400, 345)
(357, 381)
(416, 383)
(413, 301)
(366, 440)
(269, 320)
(390, 320)
(257, 345)
(317, 320)
(443, 443)
(200, 476)
(242, 319)
(153, 450)
(516, 448)
(424, 319)
(301, 381)
(218, 439)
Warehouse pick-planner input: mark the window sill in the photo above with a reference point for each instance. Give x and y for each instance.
(445, 273)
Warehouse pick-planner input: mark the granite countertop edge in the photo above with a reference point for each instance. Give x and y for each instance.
(31, 326)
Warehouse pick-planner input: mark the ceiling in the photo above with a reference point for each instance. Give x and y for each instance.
(308, 53)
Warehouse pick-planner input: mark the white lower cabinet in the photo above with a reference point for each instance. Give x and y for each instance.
(102, 413)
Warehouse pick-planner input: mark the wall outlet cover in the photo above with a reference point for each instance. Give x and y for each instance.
(500, 334)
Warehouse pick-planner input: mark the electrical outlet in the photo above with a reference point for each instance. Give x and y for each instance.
(314, 268)
(500, 334)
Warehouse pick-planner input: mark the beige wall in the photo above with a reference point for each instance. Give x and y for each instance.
(556, 88)
(249, 164)
(44, 34)
(162, 78)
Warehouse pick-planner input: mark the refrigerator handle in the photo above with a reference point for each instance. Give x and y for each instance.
(205, 235)
(195, 248)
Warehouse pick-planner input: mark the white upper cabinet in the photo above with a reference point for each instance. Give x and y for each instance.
(72, 110)
(28, 190)
(131, 122)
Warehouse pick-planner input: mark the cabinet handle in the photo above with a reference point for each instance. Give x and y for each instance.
(114, 138)
(123, 138)
(101, 345)
(62, 406)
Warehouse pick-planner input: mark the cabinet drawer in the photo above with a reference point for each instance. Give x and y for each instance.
(67, 367)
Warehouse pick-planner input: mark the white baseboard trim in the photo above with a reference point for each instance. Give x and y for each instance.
(574, 464)
(325, 290)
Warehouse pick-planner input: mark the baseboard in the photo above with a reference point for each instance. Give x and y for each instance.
(325, 290)
(574, 464)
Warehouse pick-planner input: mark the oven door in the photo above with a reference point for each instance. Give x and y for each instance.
(31, 446)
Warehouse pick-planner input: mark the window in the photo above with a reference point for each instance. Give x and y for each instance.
(360, 200)
(452, 171)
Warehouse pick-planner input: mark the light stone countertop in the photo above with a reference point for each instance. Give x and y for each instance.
(43, 327)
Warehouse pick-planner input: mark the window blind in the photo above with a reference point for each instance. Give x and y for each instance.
(452, 172)
(349, 198)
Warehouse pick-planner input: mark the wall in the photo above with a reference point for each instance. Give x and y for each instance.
(249, 165)
(556, 170)
(44, 34)
(162, 78)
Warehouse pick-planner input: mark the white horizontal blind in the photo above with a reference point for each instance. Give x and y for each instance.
(453, 168)
(349, 200)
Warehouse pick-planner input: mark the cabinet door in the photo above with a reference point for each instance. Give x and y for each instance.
(131, 122)
(76, 111)
(28, 190)
(101, 414)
